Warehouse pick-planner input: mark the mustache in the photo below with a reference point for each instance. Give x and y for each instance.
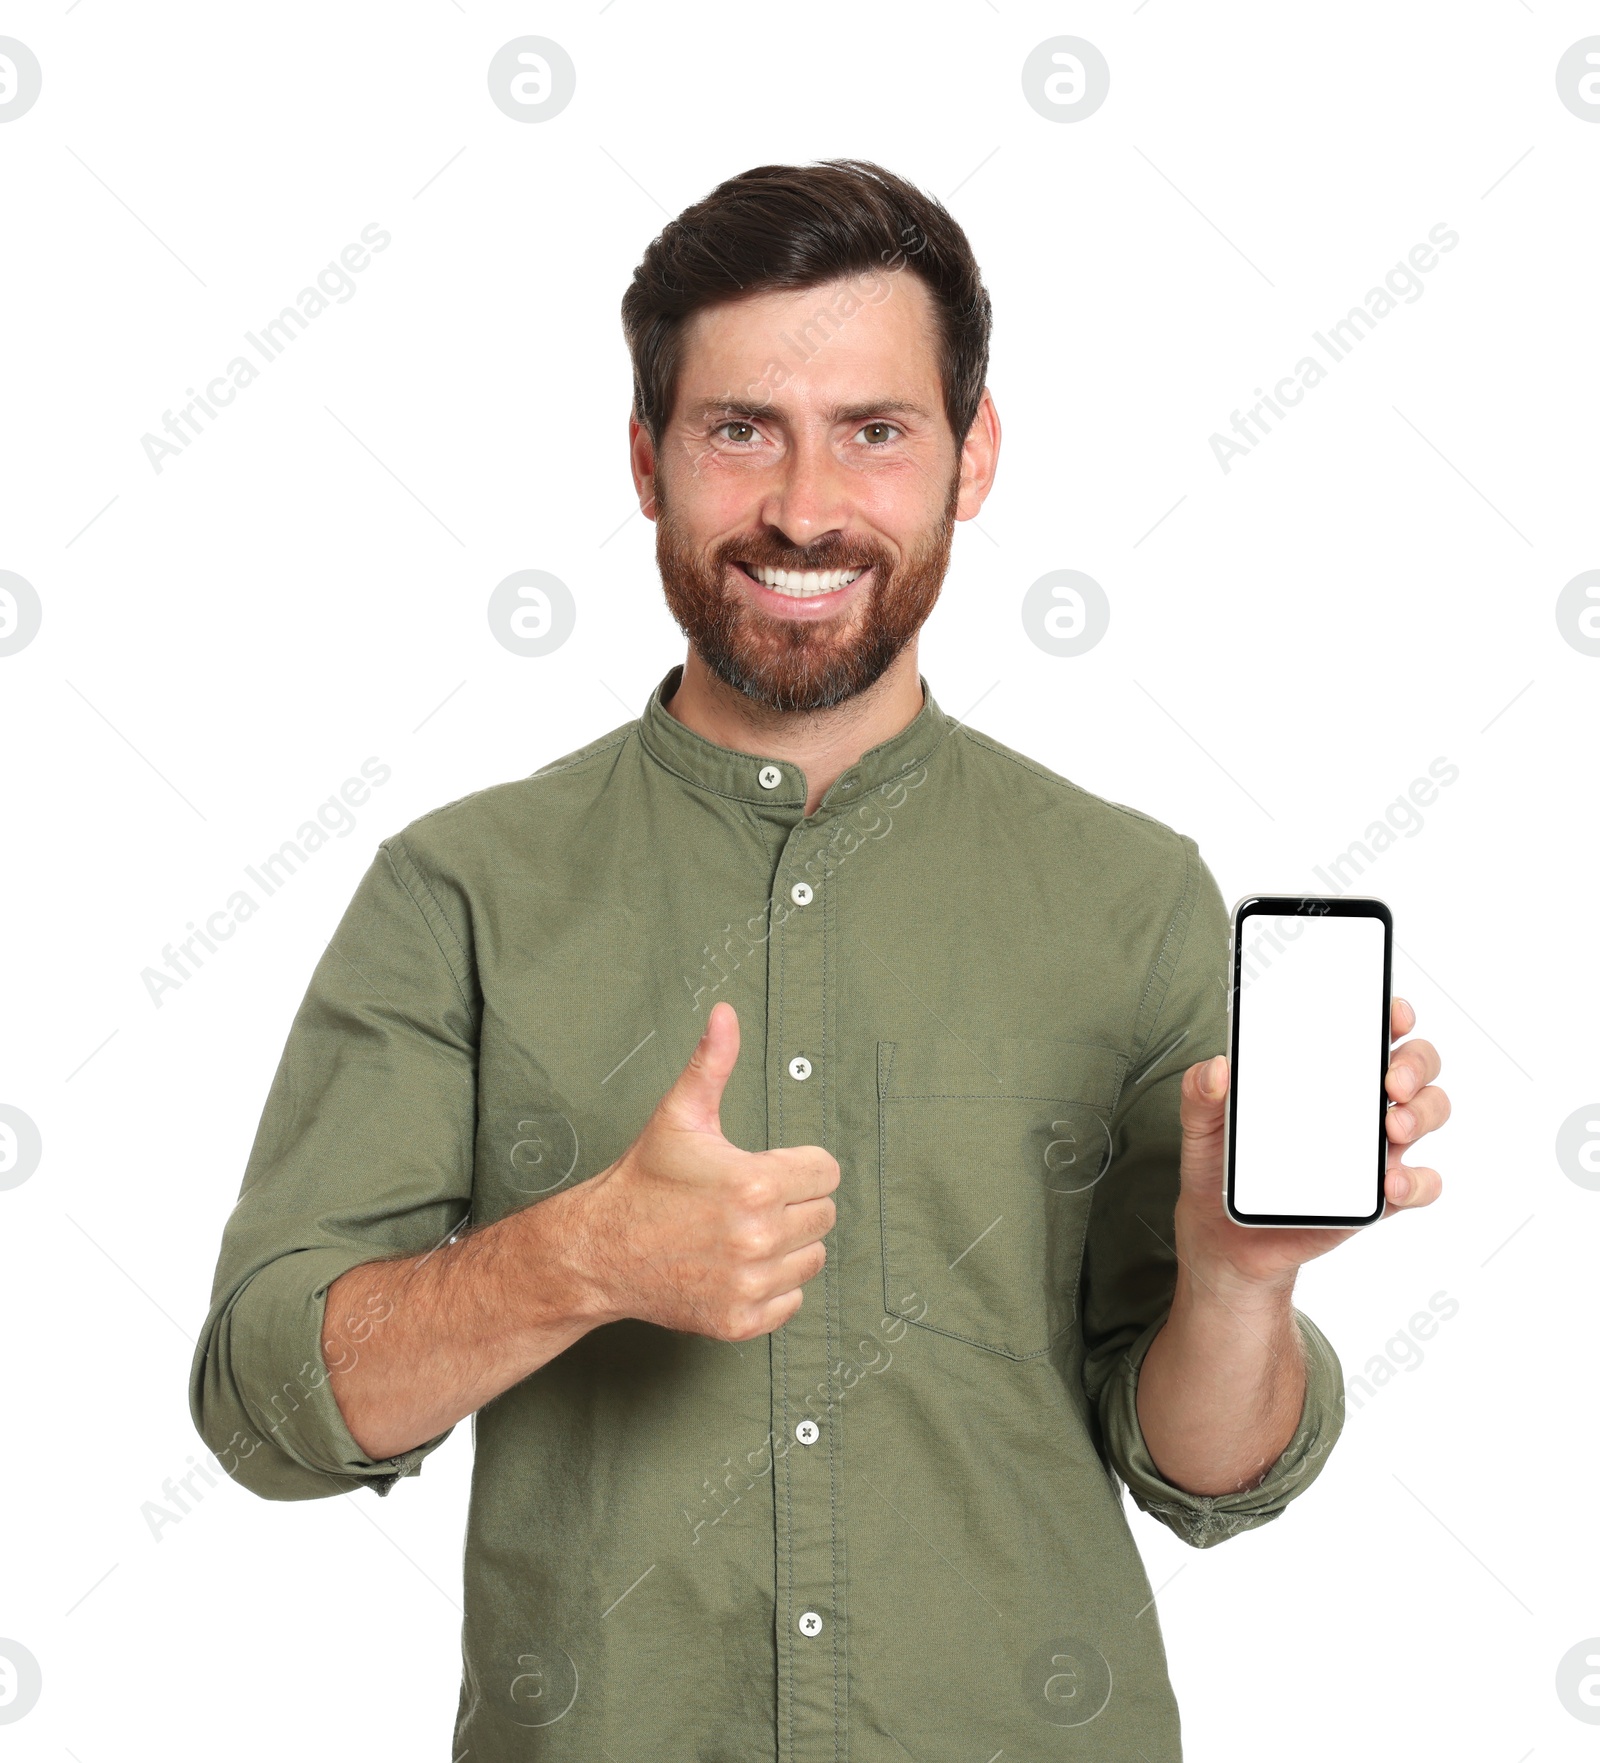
(825, 555)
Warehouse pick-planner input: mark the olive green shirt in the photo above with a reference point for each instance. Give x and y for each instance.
(893, 1528)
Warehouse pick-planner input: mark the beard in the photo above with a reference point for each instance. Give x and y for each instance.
(786, 664)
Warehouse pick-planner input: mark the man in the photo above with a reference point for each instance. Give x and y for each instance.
(789, 1125)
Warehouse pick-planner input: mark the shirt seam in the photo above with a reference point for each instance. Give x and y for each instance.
(885, 1070)
(568, 762)
(1184, 910)
(1055, 777)
(788, 1531)
(584, 754)
(1185, 896)
(788, 1480)
(951, 1334)
(764, 830)
(830, 910)
(1055, 1095)
(396, 844)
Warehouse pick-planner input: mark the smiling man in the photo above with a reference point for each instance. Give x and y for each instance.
(790, 1125)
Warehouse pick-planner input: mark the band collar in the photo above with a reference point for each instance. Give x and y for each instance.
(780, 783)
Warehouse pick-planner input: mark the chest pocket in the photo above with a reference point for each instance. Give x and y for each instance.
(988, 1156)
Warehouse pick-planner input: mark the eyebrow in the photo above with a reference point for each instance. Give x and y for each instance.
(734, 407)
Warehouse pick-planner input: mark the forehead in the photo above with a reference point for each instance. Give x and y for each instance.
(878, 327)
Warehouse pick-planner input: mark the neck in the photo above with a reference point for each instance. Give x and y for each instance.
(824, 744)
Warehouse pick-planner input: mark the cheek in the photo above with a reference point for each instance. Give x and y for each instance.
(714, 493)
(902, 500)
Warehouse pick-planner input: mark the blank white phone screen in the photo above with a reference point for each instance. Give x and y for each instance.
(1308, 1070)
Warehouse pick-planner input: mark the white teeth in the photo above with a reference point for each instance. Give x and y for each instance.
(801, 584)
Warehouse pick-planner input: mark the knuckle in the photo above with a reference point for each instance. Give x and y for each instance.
(742, 1322)
(754, 1240)
(748, 1288)
(755, 1191)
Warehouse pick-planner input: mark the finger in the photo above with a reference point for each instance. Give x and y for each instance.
(781, 1278)
(1204, 1087)
(1402, 1018)
(1413, 1065)
(802, 1172)
(795, 1269)
(1201, 1107)
(1406, 1122)
(695, 1099)
(758, 1316)
(1407, 1186)
(779, 1312)
(807, 1221)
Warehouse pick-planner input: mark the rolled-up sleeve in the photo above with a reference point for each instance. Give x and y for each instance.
(1130, 1265)
(363, 1153)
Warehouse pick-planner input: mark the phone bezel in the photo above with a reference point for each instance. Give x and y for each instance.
(1304, 906)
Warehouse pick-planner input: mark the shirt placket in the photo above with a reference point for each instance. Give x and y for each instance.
(810, 1617)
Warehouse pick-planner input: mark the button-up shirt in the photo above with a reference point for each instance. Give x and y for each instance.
(893, 1527)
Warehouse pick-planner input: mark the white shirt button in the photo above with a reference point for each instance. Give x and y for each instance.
(808, 1432)
(769, 777)
(809, 1623)
(801, 894)
(800, 1068)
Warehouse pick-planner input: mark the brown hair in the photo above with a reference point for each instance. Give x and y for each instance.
(785, 227)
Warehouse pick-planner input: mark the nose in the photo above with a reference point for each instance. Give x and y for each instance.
(809, 496)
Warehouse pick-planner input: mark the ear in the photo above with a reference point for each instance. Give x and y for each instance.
(642, 462)
(980, 458)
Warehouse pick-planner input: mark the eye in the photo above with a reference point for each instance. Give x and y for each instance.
(882, 430)
(737, 423)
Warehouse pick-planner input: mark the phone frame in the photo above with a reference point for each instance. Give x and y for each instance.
(1251, 906)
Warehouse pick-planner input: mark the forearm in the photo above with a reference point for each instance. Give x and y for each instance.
(1222, 1386)
(412, 1346)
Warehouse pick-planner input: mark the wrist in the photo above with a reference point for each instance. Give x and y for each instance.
(573, 1241)
(1219, 1286)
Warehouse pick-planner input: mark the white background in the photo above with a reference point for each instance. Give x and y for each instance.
(1291, 643)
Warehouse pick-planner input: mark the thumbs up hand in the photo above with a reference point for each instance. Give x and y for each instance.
(687, 1231)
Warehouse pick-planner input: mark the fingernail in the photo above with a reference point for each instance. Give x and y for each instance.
(1402, 1185)
(1404, 1119)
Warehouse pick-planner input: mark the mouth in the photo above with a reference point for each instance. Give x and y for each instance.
(802, 596)
(801, 584)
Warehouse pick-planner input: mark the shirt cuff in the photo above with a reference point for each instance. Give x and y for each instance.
(265, 1368)
(1204, 1519)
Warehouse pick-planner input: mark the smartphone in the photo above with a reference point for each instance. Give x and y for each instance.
(1308, 1003)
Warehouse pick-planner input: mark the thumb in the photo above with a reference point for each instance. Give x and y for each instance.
(694, 1102)
(1202, 1097)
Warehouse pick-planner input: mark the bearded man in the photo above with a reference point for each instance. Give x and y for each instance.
(789, 1124)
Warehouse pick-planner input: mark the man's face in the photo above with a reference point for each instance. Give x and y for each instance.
(807, 486)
